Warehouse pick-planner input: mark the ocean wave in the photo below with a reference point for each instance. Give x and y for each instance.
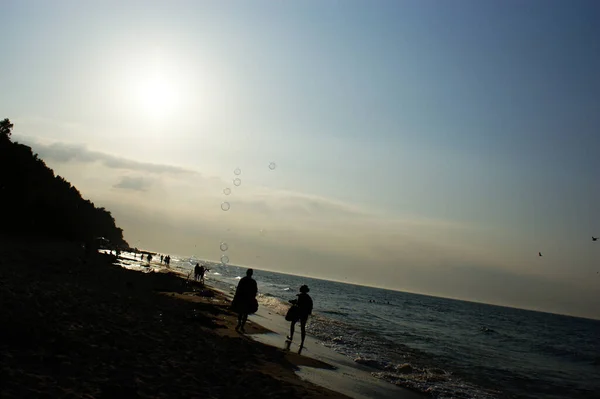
(334, 312)
(391, 361)
(275, 304)
(434, 382)
(562, 352)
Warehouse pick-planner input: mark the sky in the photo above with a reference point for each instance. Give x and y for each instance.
(423, 146)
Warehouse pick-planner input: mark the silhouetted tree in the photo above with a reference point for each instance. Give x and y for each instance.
(35, 202)
(5, 129)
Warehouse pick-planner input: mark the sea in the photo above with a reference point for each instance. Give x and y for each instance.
(445, 348)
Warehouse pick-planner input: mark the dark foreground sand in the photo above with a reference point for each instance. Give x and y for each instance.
(74, 329)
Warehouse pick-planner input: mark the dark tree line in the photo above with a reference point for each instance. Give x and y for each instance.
(35, 202)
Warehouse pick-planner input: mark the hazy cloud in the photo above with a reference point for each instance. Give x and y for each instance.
(176, 210)
(63, 152)
(134, 183)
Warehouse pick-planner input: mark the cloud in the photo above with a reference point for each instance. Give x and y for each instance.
(64, 153)
(294, 219)
(177, 210)
(134, 183)
(301, 220)
(198, 189)
(285, 204)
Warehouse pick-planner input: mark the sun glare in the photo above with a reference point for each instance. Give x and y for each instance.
(155, 95)
(154, 87)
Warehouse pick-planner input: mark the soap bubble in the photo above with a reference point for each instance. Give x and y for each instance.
(224, 246)
(237, 181)
(225, 206)
(237, 171)
(272, 166)
(227, 190)
(224, 259)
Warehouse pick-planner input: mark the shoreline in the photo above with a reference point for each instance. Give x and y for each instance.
(75, 327)
(89, 329)
(317, 364)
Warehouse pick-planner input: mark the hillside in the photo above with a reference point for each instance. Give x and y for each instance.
(34, 202)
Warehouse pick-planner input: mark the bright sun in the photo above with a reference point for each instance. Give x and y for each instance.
(155, 86)
(155, 95)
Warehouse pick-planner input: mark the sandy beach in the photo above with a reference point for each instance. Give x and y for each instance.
(75, 327)
(92, 330)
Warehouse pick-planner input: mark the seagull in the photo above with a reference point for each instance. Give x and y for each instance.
(539, 253)
(594, 238)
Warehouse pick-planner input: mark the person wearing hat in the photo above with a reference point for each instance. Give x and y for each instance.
(305, 306)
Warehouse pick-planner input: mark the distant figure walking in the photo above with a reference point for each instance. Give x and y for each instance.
(162, 257)
(303, 308)
(196, 272)
(168, 260)
(244, 301)
(202, 271)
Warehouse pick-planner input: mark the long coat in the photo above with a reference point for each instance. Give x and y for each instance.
(244, 300)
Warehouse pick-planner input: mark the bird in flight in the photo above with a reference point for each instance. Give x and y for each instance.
(539, 254)
(594, 238)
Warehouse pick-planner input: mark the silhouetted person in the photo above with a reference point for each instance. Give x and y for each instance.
(162, 257)
(196, 272)
(142, 257)
(244, 300)
(149, 258)
(168, 260)
(202, 271)
(305, 307)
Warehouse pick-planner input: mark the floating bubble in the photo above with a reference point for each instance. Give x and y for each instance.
(237, 181)
(227, 190)
(237, 171)
(272, 166)
(224, 246)
(262, 232)
(225, 206)
(224, 259)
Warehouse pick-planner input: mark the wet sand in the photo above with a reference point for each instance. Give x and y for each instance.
(73, 328)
